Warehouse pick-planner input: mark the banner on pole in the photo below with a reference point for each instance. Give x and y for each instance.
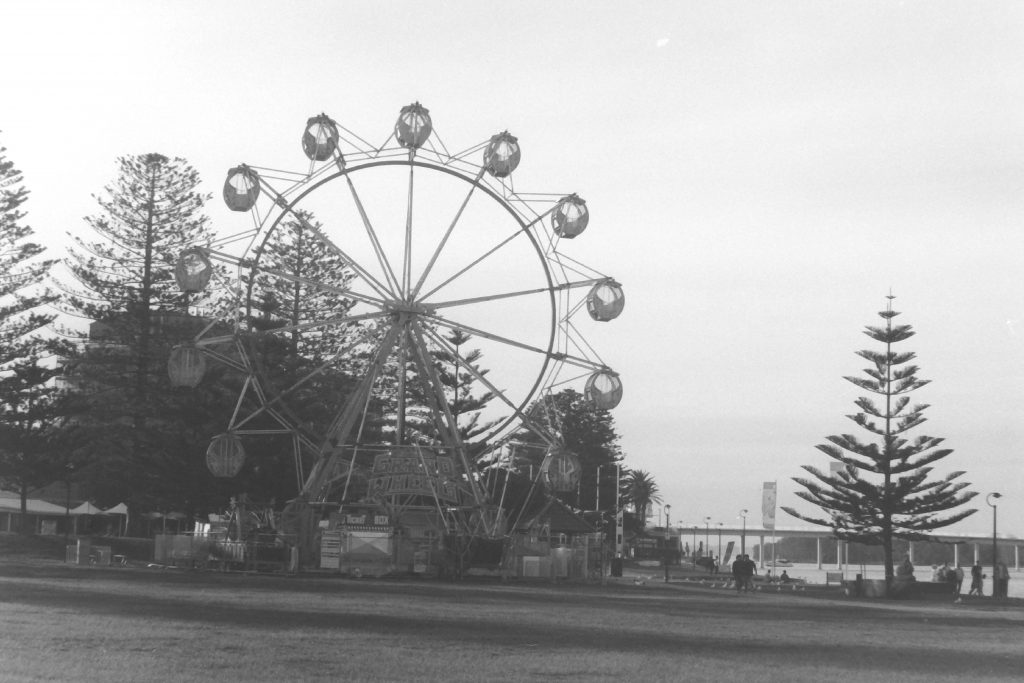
(619, 524)
(768, 505)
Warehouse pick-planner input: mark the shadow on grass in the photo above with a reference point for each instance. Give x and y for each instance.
(675, 622)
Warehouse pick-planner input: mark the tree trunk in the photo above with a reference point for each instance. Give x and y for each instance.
(23, 525)
(890, 575)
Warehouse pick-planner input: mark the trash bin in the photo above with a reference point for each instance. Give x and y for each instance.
(616, 566)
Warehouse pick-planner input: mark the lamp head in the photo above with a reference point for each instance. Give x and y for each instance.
(989, 497)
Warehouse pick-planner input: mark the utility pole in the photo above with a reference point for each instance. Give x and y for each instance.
(668, 535)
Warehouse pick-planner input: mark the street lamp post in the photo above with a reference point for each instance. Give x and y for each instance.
(743, 537)
(996, 592)
(668, 557)
(707, 533)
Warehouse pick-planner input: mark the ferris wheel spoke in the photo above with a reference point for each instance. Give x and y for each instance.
(448, 233)
(400, 408)
(469, 267)
(342, 425)
(378, 250)
(508, 341)
(509, 295)
(352, 263)
(522, 230)
(407, 255)
(338, 320)
(320, 368)
(517, 410)
(441, 407)
(346, 292)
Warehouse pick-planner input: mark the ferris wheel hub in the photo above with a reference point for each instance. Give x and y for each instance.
(409, 308)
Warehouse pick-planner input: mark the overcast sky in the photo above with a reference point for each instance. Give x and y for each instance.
(760, 176)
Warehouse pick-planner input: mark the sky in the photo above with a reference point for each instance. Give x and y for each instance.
(760, 176)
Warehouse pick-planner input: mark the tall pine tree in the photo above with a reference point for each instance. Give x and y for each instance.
(134, 427)
(28, 394)
(883, 490)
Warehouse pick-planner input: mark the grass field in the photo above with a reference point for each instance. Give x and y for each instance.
(70, 623)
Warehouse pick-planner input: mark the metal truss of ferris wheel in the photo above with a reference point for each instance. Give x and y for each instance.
(401, 307)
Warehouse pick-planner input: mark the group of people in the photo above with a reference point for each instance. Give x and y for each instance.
(1000, 581)
(955, 577)
(743, 570)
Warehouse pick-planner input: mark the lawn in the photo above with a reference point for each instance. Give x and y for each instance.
(63, 623)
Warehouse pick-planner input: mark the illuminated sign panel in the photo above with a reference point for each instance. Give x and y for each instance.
(422, 474)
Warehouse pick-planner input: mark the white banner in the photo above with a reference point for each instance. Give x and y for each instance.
(768, 505)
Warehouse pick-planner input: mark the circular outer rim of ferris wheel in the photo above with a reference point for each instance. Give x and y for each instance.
(290, 206)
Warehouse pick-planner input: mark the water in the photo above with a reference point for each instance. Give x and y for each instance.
(812, 574)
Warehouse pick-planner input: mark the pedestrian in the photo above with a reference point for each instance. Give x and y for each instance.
(958, 582)
(737, 573)
(749, 569)
(976, 578)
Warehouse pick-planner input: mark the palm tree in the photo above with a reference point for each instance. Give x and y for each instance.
(641, 492)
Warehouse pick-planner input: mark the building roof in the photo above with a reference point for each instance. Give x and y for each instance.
(10, 501)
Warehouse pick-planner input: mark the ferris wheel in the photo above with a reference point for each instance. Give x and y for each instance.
(421, 264)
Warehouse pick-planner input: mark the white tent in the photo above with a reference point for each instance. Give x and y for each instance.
(87, 508)
(119, 509)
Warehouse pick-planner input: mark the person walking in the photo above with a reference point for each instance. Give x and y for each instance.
(737, 573)
(748, 568)
(976, 577)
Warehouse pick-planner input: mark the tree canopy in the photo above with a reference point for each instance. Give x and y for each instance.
(581, 428)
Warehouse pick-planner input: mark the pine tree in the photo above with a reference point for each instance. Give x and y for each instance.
(302, 283)
(584, 430)
(131, 421)
(306, 279)
(466, 406)
(28, 394)
(881, 491)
